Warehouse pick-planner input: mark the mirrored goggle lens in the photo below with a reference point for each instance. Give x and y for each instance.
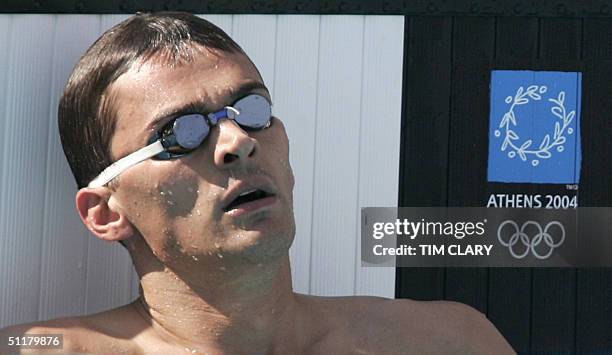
(255, 111)
(190, 130)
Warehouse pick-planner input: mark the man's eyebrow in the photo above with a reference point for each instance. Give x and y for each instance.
(203, 106)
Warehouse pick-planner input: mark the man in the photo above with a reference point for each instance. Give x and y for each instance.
(167, 127)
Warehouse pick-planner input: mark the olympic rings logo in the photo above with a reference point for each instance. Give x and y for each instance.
(530, 244)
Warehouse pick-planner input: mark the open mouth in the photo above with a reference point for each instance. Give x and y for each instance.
(247, 197)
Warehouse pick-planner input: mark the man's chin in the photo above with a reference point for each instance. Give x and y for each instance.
(258, 244)
(265, 223)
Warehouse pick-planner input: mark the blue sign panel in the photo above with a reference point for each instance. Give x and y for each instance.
(534, 134)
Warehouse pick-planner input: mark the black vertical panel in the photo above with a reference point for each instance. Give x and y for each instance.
(446, 102)
(516, 47)
(594, 286)
(516, 43)
(424, 136)
(597, 109)
(553, 308)
(509, 305)
(473, 50)
(594, 311)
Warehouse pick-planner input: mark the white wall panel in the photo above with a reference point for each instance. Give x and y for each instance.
(256, 34)
(64, 239)
(295, 102)
(6, 235)
(381, 98)
(336, 83)
(336, 162)
(24, 153)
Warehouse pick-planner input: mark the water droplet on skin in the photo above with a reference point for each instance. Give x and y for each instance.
(194, 257)
(217, 245)
(170, 192)
(198, 212)
(220, 255)
(162, 193)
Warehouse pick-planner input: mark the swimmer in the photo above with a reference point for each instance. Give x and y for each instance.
(167, 127)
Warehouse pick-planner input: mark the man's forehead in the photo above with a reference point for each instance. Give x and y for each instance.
(157, 88)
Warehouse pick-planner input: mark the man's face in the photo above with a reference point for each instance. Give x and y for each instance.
(180, 205)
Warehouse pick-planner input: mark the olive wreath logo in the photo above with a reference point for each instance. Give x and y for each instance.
(548, 143)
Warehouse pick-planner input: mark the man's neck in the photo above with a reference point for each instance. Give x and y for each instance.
(253, 311)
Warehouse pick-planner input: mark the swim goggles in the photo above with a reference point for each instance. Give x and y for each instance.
(187, 132)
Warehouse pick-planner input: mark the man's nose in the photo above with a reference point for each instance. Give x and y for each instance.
(234, 146)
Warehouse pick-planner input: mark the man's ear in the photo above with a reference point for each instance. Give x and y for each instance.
(102, 218)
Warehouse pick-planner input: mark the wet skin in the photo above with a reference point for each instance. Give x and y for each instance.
(184, 220)
(217, 281)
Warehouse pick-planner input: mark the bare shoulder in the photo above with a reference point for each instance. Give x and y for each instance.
(439, 326)
(380, 325)
(85, 334)
(458, 326)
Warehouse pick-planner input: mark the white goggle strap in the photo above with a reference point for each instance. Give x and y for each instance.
(126, 162)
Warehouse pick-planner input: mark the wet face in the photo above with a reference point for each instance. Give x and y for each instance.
(189, 209)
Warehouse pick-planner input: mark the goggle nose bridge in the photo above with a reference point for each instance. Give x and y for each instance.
(227, 112)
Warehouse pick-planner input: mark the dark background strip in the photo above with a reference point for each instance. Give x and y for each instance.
(560, 8)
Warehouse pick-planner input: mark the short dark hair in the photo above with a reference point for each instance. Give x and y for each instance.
(86, 117)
